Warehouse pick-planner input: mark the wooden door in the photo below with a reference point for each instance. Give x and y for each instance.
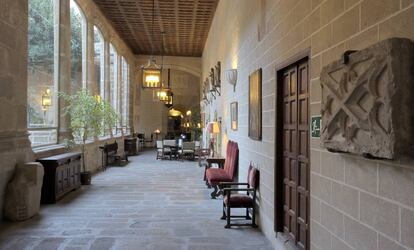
(295, 155)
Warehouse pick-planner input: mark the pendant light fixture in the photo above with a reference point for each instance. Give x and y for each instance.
(168, 100)
(151, 72)
(168, 97)
(163, 91)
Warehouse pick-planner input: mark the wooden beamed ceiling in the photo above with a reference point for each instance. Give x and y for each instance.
(185, 24)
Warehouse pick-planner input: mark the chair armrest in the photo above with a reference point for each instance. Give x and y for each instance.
(233, 184)
(237, 189)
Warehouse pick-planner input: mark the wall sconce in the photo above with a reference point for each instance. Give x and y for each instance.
(46, 99)
(231, 77)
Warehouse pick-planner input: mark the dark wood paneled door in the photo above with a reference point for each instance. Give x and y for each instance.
(296, 154)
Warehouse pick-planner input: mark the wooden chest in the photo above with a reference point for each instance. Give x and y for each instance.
(62, 175)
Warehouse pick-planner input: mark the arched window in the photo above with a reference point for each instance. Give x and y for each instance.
(77, 45)
(99, 61)
(42, 105)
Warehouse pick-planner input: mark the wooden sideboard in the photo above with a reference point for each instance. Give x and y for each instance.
(62, 175)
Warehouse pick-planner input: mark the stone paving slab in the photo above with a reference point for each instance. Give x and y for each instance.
(148, 204)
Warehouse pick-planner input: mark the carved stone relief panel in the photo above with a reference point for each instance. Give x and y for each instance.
(368, 101)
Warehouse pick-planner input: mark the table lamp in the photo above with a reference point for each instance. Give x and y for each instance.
(213, 128)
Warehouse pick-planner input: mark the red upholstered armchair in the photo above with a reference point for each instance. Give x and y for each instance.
(234, 199)
(214, 176)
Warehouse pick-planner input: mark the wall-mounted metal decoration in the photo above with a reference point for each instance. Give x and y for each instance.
(255, 105)
(215, 80)
(205, 93)
(217, 76)
(234, 115)
(231, 77)
(367, 101)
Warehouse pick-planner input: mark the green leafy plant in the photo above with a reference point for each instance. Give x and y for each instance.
(89, 117)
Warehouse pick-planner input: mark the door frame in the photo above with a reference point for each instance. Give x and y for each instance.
(278, 153)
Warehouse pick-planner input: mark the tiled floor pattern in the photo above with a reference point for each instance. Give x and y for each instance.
(147, 204)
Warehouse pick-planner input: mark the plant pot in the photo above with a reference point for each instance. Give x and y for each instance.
(86, 178)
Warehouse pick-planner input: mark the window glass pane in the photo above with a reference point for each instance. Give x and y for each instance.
(113, 77)
(77, 24)
(125, 93)
(42, 88)
(99, 62)
(113, 69)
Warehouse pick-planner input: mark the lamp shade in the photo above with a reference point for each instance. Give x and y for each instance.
(213, 127)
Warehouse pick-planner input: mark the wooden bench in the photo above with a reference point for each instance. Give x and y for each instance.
(110, 155)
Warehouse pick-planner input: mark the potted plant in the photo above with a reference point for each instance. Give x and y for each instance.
(89, 117)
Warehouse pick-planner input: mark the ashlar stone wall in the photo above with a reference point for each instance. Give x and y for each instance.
(356, 203)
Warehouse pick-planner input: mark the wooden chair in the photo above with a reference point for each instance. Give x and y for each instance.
(187, 150)
(233, 199)
(169, 148)
(214, 176)
(160, 150)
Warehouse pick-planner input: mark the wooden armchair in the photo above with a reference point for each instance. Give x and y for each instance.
(234, 199)
(187, 150)
(214, 176)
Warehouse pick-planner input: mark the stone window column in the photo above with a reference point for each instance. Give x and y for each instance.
(107, 62)
(120, 90)
(90, 60)
(132, 94)
(62, 64)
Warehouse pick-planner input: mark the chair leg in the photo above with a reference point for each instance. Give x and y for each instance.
(214, 193)
(247, 214)
(228, 216)
(254, 217)
(224, 212)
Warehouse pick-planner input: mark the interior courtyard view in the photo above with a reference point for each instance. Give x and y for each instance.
(207, 124)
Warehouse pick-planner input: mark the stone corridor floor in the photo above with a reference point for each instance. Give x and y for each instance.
(147, 204)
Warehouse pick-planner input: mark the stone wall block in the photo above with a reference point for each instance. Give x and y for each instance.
(333, 220)
(407, 227)
(387, 244)
(363, 99)
(332, 166)
(361, 173)
(320, 236)
(338, 244)
(359, 236)
(374, 10)
(345, 199)
(380, 214)
(396, 183)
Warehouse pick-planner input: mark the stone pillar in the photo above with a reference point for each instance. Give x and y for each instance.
(119, 91)
(107, 61)
(90, 61)
(14, 142)
(132, 95)
(62, 63)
